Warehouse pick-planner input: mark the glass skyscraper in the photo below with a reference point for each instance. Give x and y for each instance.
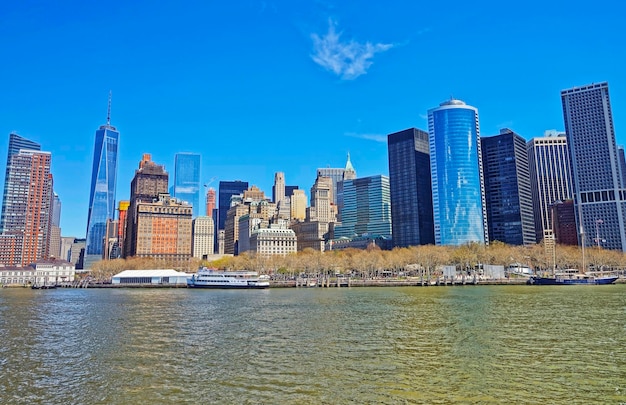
(187, 180)
(227, 189)
(410, 188)
(598, 189)
(507, 189)
(102, 192)
(366, 207)
(456, 173)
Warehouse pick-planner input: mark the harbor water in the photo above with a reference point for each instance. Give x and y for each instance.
(405, 345)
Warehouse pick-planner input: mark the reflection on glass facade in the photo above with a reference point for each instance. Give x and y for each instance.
(507, 189)
(228, 189)
(102, 194)
(187, 179)
(366, 208)
(410, 188)
(456, 173)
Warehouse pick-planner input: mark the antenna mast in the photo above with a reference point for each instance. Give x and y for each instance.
(109, 111)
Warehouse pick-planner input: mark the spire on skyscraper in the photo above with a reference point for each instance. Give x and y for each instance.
(109, 111)
(349, 172)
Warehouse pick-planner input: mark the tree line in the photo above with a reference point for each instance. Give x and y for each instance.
(374, 262)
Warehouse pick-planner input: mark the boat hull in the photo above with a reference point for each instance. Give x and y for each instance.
(571, 281)
(229, 287)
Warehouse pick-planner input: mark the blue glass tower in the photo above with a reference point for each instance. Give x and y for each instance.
(456, 173)
(103, 181)
(187, 179)
(366, 207)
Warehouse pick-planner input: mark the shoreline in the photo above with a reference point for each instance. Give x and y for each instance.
(328, 284)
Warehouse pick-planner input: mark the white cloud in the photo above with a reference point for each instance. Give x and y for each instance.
(370, 137)
(347, 60)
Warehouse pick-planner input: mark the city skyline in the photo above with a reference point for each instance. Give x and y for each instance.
(179, 86)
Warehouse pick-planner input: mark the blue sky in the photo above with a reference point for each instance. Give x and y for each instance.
(257, 87)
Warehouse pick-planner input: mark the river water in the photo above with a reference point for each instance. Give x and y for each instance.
(430, 345)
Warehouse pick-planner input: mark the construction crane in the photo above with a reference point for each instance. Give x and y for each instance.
(210, 196)
(206, 185)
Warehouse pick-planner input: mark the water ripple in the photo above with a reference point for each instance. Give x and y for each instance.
(509, 344)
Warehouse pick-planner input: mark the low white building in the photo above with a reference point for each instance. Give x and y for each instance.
(53, 272)
(156, 277)
(43, 272)
(273, 241)
(15, 276)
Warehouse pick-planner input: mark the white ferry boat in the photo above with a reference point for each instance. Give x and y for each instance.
(206, 278)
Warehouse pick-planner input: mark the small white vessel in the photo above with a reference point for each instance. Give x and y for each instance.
(206, 278)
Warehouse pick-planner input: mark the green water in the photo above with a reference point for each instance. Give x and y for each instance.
(431, 345)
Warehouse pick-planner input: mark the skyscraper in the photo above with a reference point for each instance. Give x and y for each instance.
(457, 175)
(27, 214)
(348, 174)
(149, 183)
(550, 178)
(203, 237)
(102, 192)
(16, 143)
(187, 179)
(337, 175)
(210, 202)
(410, 188)
(622, 164)
(322, 208)
(507, 189)
(298, 205)
(278, 190)
(599, 197)
(54, 249)
(227, 189)
(366, 208)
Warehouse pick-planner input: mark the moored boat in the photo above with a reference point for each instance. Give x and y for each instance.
(206, 278)
(572, 279)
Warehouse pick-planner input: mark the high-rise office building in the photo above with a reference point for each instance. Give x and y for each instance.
(457, 174)
(56, 210)
(550, 179)
(298, 205)
(564, 223)
(27, 208)
(278, 190)
(622, 164)
(187, 179)
(507, 189)
(289, 190)
(163, 230)
(338, 175)
(149, 182)
(366, 207)
(322, 208)
(66, 246)
(54, 250)
(210, 202)
(203, 237)
(16, 142)
(122, 215)
(410, 188)
(102, 191)
(227, 189)
(599, 197)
